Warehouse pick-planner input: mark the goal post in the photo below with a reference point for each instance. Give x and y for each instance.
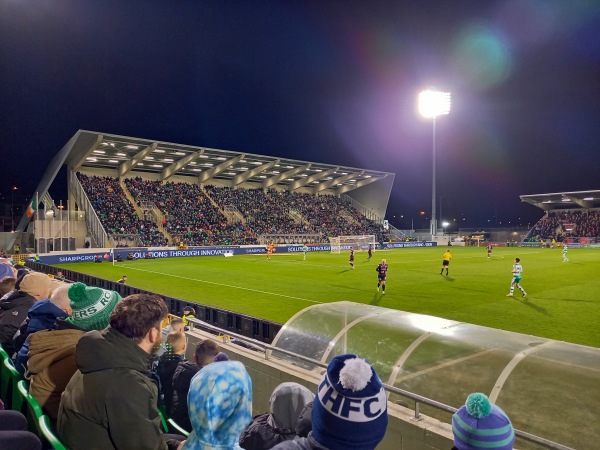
(358, 243)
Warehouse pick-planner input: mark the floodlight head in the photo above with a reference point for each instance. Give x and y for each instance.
(434, 103)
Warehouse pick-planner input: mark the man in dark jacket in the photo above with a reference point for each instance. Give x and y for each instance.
(206, 351)
(14, 306)
(110, 402)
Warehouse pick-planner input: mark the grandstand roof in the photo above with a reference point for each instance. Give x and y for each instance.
(128, 154)
(564, 200)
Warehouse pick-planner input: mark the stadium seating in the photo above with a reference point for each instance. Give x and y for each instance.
(38, 422)
(8, 382)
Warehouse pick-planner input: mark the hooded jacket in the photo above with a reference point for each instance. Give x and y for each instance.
(13, 311)
(110, 402)
(220, 406)
(182, 378)
(51, 363)
(42, 316)
(267, 430)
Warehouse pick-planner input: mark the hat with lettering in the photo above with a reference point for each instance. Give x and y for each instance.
(350, 409)
(91, 306)
(479, 424)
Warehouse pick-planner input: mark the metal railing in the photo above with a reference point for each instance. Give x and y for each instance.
(368, 213)
(418, 399)
(93, 223)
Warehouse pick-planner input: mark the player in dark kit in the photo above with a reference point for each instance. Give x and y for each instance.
(370, 252)
(489, 250)
(381, 275)
(351, 260)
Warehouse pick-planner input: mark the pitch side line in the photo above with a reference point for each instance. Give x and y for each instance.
(226, 285)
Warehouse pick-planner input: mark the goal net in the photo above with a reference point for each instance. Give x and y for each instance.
(358, 243)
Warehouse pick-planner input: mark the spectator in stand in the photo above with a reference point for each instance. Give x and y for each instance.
(479, 425)
(7, 284)
(205, 353)
(111, 402)
(15, 305)
(167, 363)
(13, 431)
(7, 271)
(337, 425)
(42, 316)
(176, 324)
(267, 430)
(52, 352)
(220, 405)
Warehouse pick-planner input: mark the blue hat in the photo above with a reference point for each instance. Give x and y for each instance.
(479, 424)
(350, 409)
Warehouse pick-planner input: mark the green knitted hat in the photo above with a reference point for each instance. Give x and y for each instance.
(91, 306)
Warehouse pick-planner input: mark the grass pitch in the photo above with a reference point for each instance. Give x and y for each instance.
(563, 300)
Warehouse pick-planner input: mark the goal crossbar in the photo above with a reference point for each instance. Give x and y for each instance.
(358, 243)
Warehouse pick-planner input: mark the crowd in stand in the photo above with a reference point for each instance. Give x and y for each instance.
(196, 216)
(562, 225)
(94, 365)
(116, 212)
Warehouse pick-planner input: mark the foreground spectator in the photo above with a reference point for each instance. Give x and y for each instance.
(51, 361)
(349, 411)
(7, 271)
(167, 363)
(110, 402)
(267, 430)
(479, 425)
(220, 405)
(7, 284)
(205, 353)
(42, 316)
(13, 307)
(14, 434)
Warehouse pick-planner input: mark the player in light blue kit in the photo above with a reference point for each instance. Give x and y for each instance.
(516, 280)
(304, 250)
(564, 253)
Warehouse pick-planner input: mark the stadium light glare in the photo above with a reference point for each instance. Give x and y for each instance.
(431, 105)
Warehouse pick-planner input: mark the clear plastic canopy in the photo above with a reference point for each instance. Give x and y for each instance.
(547, 388)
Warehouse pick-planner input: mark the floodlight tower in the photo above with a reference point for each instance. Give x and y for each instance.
(432, 104)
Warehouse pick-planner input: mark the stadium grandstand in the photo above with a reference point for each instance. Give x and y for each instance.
(139, 192)
(573, 217)
(132, 198)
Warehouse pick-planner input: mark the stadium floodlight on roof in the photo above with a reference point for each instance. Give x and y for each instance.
(432, 104)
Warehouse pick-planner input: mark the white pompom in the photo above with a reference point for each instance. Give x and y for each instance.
(355, 375)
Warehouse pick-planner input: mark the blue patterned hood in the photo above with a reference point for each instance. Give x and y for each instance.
(220, 406)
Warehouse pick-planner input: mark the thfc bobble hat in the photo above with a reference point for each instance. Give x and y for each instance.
(350, 409)
(91, 306)
(479, 424)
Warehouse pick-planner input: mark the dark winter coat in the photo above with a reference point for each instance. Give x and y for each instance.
(182, 378)
(167, 364)
(110, 403)
(308, 443)
(260, 435)
(41, 316)
(13, 311)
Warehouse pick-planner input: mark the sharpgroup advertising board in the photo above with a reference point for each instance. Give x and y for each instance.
(152, 253)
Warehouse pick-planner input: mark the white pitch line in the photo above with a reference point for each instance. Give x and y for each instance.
(222, 284)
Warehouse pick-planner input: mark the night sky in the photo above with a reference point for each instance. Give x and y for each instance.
(325, 81)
